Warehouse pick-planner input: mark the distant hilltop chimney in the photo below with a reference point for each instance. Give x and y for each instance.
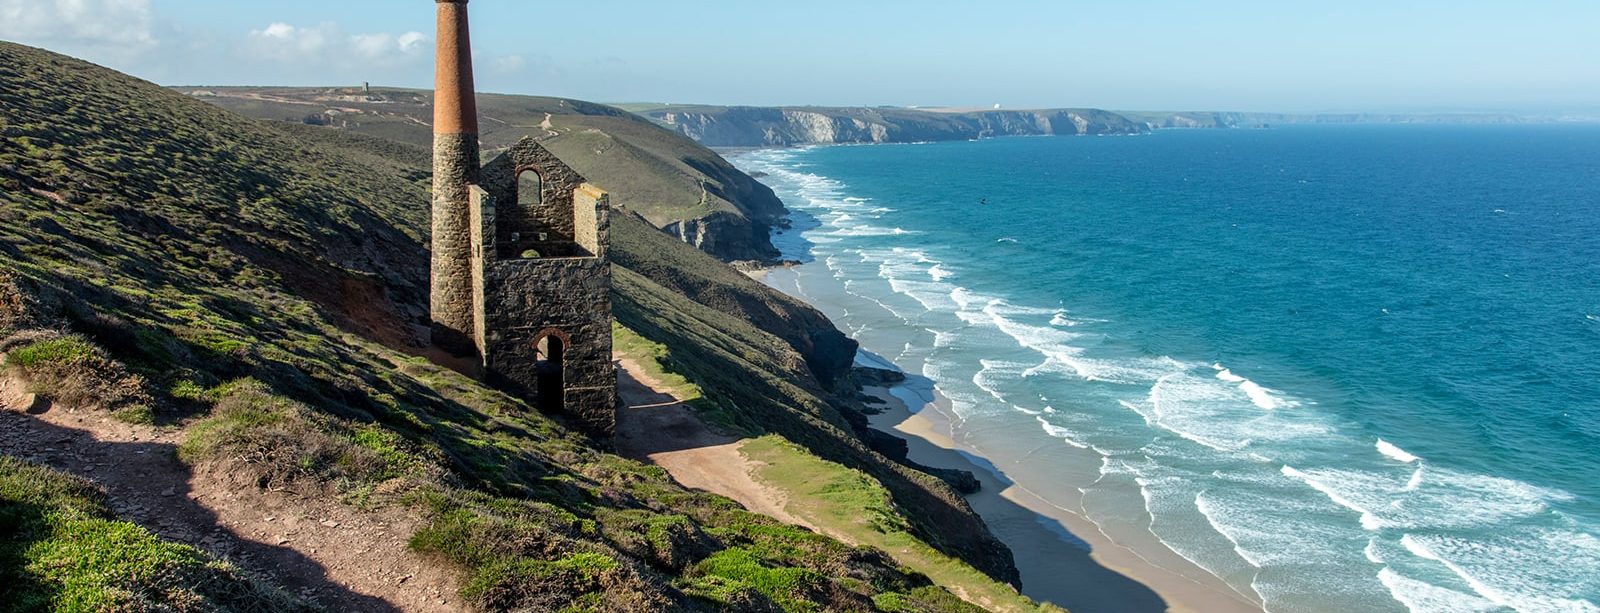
(455, 170)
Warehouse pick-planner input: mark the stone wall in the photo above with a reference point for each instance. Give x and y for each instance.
(520, 299)
(527, 297)
(455, 164)
(525, 221)
(483, 250)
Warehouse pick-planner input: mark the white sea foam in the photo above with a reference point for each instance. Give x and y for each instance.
(1371, 552)
(1067, 436)
(1369, 521)
(1227, 375)
(1259, 396)
(1424, 597)
(1418, 548)
(1395, 453)
(1415, 481)
(1204, 506)
(1474, 563)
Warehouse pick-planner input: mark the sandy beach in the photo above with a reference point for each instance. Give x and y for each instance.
(1063, 557)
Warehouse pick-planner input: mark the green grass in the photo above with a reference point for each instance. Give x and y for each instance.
(659, 173)
(257, 286)
(654, 358)
(284, 443)
(788, 587)
(62, 550)
(52, 352)
(851, 504)
(72, 370)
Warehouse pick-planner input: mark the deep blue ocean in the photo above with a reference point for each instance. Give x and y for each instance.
(1341, 368)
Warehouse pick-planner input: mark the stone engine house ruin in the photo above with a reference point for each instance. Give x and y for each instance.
(520, 277)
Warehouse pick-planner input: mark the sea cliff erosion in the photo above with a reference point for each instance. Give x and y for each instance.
(741, 126)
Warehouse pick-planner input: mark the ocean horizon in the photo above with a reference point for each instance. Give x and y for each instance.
(1337, 368)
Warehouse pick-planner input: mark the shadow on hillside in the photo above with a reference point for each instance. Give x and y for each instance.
(147, 485)
(650, 422)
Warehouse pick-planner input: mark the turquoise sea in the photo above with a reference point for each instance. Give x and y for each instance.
(1340, 368)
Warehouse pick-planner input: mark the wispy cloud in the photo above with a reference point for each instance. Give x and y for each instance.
(125, 26)
(327, 44)
(508, 64)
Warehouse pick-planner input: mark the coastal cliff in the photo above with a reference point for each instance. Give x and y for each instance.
(676, 183)
(786, 126)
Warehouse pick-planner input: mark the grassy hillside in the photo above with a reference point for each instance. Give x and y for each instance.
(259, 288)
(665, 177)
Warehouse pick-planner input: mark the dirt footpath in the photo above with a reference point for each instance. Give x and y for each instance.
(328, 553)
(653, 426)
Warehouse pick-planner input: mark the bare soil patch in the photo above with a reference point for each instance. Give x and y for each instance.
(653, 426)
(331, 554)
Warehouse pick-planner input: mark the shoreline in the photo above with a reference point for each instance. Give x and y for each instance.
(1062, 556)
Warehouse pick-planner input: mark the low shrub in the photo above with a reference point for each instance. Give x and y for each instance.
(795, 589)
(71, 370)
(284, 444)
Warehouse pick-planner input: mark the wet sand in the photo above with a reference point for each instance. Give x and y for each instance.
(1064, 558)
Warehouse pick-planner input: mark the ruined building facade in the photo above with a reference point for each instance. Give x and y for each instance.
(520, 275)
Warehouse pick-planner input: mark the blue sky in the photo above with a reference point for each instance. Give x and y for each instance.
(1293, 56)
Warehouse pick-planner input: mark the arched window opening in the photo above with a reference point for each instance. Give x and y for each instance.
(525, 242)
(550, 369)
(530, 188)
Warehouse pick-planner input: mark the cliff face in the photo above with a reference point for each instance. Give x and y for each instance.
(766, 127)
(637, 246)
(725, 235)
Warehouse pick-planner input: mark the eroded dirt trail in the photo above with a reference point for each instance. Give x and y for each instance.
(329, 553)
(653, 426)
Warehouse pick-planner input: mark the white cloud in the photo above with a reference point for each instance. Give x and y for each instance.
(413, 42)
(327, 44)
(508, 63)
(125, 26)
(282, 41)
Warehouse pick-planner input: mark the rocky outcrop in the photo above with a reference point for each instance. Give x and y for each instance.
(638, 246)
(727, 236)
(770, 126)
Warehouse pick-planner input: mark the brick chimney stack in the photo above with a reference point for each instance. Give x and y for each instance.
(455, 170)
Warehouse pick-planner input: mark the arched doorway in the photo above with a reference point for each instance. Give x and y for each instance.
(550, 349)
